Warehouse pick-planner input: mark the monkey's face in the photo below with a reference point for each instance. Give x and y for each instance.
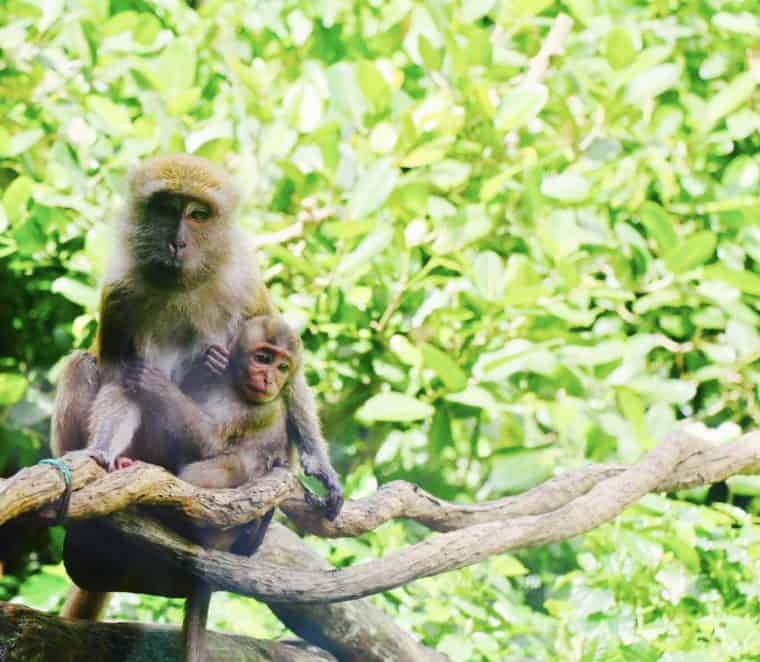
(264, 371)
(174, 243)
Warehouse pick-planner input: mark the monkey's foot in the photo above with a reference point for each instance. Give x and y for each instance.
(99, 456)
(123, 462)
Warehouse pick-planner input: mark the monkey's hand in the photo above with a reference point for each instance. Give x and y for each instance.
(104, 459)
(326, 475)
(141, 379)
(216, 360)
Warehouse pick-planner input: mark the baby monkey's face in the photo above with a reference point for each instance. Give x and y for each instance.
(265, 359)
(267, 368)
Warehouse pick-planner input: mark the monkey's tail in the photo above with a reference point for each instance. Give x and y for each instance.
(194, 623)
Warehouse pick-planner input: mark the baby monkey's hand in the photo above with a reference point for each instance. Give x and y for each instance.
(217, 360)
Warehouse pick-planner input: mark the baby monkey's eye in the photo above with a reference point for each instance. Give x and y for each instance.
(283, 368)
(262, 357)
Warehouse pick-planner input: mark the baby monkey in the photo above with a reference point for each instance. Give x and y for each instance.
(227, 423)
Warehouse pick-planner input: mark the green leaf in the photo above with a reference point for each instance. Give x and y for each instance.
(449, 174)
(473, 396)
(473, 10)
(746, 281)
(653, 82)
(393, 407)
(567, 187)
(744, 485)
(12, 387)
(692, 252)
(22, 141)
(175, 67)
(426, 154)
(445, 367)
(520, 470)
(736, 93)
(373, 189)
(489, 276)
(115, 117)
(520, 105)
(73, 290)
(619, 48)
(373, 85)
(405, 350)
(659, 226)
(16, 198)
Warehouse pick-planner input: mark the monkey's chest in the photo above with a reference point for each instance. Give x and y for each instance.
(174, 350)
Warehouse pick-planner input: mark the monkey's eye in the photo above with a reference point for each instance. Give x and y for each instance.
(165, 204)
(283, 368)
(198, 212)
(262, 357)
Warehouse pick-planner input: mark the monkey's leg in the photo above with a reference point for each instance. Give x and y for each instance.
(74, 396)
(252, 535)
(194, 623)
(114, 419)
(304, 430)
(85, 605)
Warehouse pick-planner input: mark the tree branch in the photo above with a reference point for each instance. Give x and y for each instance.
(561, 508)
(97, 493)
(702, 463)
(672, 465)
(27, 634)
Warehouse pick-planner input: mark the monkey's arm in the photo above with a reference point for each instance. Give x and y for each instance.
(305, 432)
(173, 414)
(114, 418)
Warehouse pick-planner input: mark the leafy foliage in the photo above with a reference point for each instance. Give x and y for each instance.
(495, 278)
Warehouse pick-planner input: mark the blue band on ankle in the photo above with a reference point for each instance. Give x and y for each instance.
(58, 464)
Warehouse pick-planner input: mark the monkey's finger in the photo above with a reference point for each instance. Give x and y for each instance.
(217, 366)
(216, 361)
(99, 456)
(314, 500)
(334, 505)
(214, 368)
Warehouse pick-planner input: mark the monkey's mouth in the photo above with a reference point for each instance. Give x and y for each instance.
(258, 392)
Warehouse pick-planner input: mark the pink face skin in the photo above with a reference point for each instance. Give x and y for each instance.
(263, 372)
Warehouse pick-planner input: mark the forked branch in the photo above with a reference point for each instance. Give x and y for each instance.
(561, 508)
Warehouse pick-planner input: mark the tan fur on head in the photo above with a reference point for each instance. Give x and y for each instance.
(188, 175)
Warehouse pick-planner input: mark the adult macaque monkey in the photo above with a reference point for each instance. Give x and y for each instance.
(181, 278)
(231, 413)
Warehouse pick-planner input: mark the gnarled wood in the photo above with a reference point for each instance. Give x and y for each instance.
(702, 463)
(448, 551)
(97, 493)
(26, 634)
(352, 631)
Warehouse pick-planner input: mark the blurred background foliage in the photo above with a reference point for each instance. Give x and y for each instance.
(496, 277)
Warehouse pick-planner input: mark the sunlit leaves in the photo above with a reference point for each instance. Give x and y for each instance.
(393, 407)
(521, 105)
(372, 189)
(496, 276)
(12, 387)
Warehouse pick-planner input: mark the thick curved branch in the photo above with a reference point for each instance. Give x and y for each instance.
(26, 634)
(703, 463)
(440, 553)
(97, 493)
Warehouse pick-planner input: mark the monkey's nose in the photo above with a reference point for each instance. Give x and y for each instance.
(176, 247)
